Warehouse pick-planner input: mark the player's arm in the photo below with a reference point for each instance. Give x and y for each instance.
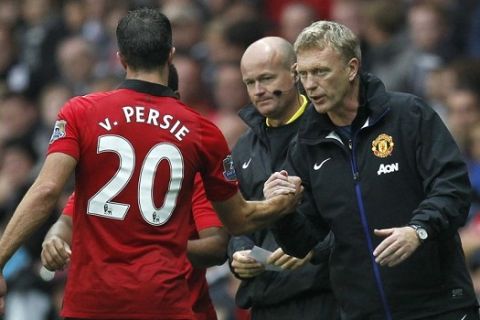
(237, 215)
(35, 207)
(37, 203)
(240, 216)
(56, 245)
(210, 249)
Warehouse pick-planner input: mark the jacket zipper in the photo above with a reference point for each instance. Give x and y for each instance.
(366, 228)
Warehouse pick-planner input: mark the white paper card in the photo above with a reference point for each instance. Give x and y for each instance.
(261, 255)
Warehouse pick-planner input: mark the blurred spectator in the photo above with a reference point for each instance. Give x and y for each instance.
(293, 18)
(239, 35)
(463, 111)
(228, 90)
(273, 8)
(428, 29)
(229, 97)
(16, 162)
(74, 16)
(11, 74)
(187, 24)
(190, 85)
(76, 61)
(438, 84)
(18, 118)
(348, 13)
(10, 12)
(240, 10)
(106, 23)
(39, 35)
(386, 54)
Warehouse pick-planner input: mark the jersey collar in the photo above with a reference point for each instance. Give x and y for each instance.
(151, 88)
(297, 114)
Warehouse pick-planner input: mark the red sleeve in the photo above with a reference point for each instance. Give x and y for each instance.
(69, 206)
(203, 212)
(65, 134)
(218, 173)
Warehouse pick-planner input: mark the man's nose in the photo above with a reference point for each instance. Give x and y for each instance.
(309, 83)
(259, 89)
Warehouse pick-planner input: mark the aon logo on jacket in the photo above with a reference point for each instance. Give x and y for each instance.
(387, 168)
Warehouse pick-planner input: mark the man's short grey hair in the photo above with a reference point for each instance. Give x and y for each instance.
(322, 34)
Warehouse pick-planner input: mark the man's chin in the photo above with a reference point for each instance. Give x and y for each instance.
(321, 108)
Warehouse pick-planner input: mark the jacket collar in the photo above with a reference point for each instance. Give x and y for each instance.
(151, 88)
(254, 120)
(373, 98)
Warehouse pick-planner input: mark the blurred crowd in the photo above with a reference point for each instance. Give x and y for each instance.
(52, 50)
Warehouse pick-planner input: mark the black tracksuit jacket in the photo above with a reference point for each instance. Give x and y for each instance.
(304, 293)
(415, 176)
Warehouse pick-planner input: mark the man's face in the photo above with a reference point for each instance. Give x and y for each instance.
(325, 77)
(463, 112)
(262, 77)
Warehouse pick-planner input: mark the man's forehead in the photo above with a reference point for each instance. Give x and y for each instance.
(260, 68)
(316, 57)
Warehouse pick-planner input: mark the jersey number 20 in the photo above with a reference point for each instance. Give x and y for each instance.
(100, 203)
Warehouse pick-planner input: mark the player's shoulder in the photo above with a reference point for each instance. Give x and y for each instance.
(98, 96)
(201, 119)
(91, 98)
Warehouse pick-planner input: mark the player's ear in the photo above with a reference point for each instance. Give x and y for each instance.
(353, 68)
(293, 71)
(171, 54)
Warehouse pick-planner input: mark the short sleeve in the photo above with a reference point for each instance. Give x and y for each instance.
(218, 172)
(65, 135)
(203, 213)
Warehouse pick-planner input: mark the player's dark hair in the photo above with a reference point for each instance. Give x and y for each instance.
(144, 38)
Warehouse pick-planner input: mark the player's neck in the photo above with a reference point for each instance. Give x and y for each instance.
(156, 76)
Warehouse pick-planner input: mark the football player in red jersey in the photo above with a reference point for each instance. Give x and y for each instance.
(135, 152)
(206, 247)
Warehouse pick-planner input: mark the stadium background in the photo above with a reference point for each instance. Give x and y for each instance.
(52, 50)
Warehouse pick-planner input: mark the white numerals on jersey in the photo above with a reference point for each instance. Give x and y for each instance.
(100, 203)
(160, 152)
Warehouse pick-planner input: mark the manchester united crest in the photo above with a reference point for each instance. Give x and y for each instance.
(382, 146)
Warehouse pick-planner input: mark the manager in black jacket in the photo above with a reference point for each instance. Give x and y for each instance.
(383, 173)
(302, 290)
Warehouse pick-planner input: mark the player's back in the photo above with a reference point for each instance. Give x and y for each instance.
(138, 149)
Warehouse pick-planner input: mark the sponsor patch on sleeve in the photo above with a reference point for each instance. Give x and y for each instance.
(229, 170)
(59, 130)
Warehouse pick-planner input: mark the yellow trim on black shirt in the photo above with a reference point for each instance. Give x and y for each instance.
(297, 114)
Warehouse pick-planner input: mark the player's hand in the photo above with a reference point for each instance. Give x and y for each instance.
(55, 253)
(3, 292)
(245, 266)
(398, 245)
(279, 183)
(287, 262)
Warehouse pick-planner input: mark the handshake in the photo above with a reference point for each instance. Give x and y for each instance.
(286, 190)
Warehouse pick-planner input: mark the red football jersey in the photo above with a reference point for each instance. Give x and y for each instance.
(138, 150)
